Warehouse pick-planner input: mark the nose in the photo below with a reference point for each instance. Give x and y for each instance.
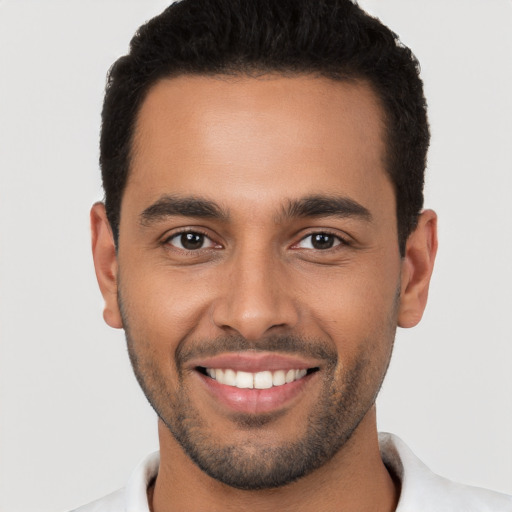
(255, 300)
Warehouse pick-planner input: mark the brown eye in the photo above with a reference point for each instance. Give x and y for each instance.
(320, 241)
(190, 241)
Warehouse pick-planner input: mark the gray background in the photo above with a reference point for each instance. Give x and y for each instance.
(73, 422)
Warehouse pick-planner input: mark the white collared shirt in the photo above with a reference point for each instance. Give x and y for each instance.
(421, 490)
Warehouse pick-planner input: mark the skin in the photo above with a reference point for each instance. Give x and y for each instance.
(252, 146)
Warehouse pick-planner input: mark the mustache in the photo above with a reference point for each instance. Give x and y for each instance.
(290, 344)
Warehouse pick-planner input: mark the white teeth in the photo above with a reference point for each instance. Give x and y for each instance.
(300, 373)
(263, 380)
(243, 380)
(259, 380)
(278, 378)
(230, 377)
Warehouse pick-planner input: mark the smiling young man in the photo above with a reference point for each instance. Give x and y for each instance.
(261, 239)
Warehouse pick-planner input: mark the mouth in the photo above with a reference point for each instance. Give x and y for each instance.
(265, 379)
(255, 383)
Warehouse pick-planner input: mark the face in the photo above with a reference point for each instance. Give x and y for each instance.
(258, 276)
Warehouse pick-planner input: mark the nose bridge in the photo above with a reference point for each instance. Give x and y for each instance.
(254, 299)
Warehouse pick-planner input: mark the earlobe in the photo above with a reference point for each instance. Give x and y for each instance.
(105, 264)
(417, 267)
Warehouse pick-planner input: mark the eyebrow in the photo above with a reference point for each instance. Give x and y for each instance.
(325, 206)
(190, 206)
(310, 206)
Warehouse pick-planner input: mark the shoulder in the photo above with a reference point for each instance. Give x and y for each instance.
(114, 502)
(424, 491)
(134, 496)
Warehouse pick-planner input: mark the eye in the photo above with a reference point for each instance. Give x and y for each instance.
(190, 241)
(320, 241)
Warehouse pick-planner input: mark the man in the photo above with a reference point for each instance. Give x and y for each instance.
(261, 239)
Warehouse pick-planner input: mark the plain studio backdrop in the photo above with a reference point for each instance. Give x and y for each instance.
(73, 421)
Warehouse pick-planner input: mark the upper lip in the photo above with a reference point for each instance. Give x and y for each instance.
(250, 361)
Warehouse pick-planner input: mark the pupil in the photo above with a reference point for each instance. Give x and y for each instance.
(192, 240)
(322, 241)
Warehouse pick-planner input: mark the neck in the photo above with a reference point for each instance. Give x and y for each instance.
(355, 479)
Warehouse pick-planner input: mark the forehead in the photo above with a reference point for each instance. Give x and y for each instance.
(268, 136)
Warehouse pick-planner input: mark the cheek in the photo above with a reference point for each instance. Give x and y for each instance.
(163, 306)
(357, 310)
(353, 296)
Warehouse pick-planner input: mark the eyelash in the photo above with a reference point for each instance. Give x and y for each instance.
(174, 236)
(341, 241)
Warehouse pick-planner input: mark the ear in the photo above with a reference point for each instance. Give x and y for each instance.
(105, 264)
(417, 266)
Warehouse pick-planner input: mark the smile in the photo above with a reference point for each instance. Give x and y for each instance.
(252, 382)
(259, 380)
(257, 391)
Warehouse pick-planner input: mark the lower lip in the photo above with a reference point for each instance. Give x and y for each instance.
(256, 401)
